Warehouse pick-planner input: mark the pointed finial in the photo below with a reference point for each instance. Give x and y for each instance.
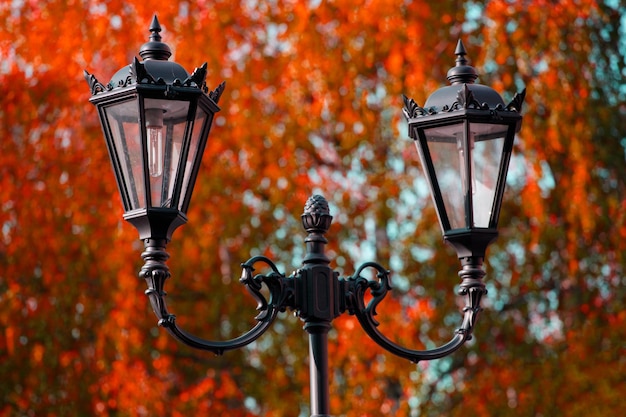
(155, 28)
(154, 48)
(460, 53)
(462, 73)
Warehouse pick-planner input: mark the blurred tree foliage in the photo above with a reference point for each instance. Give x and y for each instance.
(312, 105)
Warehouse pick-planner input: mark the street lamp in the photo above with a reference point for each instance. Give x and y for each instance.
(156, 120)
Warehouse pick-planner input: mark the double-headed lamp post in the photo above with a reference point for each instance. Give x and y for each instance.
(156, 120)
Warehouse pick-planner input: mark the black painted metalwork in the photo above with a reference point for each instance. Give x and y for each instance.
(317, 295)
(315, 292)
(156, 272)
(156, 119)
(472, 121)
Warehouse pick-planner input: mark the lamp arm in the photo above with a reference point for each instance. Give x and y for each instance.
(471, 286)
(156, 272)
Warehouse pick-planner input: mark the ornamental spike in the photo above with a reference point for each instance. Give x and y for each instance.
(155, 28)
(460, 53)
(154, 48)
(462, 72)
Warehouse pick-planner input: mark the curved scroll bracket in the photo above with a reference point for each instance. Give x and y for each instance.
(156, 272)
(358, 285)
(274, 280)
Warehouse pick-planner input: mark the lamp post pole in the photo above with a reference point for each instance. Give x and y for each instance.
(320, 296)
(156, 120)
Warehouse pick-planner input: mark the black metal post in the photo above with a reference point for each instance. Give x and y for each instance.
(318, 369)
(318, 297)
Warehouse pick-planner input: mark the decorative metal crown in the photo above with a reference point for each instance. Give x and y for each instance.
(155, 69)
(468, 96)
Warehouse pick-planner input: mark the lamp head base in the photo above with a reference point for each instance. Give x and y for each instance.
(470, 243)
(155, 222)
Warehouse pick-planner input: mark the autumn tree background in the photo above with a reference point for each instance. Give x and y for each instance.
(313, 105)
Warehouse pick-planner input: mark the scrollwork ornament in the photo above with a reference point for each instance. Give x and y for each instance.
(124, 83)
(378, 290)
(274, 280)
(198, 77)
(94, 85)
(412, 110)
(217, 93)
(465, 99)
(517, 102)
(138, 72)
(253, 285)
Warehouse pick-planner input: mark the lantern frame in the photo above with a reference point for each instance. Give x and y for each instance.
(156, 120)
(461, 110)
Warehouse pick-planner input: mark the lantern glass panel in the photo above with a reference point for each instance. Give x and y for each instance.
(126, 151)
(196, 148)
(487, 145)
(446, 149)
(166, 122)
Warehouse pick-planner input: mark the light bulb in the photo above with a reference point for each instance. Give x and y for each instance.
(462, 162)
(155, 151)
(154, 130)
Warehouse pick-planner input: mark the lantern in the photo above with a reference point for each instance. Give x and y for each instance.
(464, 135)
(156, 120)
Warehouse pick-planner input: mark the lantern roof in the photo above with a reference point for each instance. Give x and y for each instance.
(155, 69)
(463, 93)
